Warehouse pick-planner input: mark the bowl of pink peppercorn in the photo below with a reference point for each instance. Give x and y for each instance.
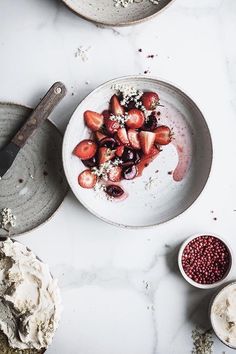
(205, 260)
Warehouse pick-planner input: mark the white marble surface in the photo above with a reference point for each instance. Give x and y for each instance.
(121, 290)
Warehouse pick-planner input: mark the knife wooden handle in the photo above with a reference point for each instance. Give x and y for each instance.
(40, 113)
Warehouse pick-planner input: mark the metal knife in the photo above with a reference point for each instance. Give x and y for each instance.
(38, 116)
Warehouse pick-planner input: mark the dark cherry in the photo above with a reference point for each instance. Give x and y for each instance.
(130, 172)
(108, 142)
(114, 191)
(151, 123)
(90, 162)
(137, 157)
(128, 155)
(131, 105)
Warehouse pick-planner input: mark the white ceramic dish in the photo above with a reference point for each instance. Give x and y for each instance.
(166, 198)
(106, 13)
(189, 280)
(214, 299)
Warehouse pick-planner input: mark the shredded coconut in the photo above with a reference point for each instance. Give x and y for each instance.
(121, 119)
(105, 168)
(8, 219)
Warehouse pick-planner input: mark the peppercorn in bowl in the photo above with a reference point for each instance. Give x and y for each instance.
(205, 260)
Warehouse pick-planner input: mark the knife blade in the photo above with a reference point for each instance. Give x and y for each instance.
(37, 117)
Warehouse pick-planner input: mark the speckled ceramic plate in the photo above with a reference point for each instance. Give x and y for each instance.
(171, 183)
(35, 185)
(106, 13)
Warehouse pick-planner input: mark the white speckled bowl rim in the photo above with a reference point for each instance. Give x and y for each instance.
(192, 282)
(53, 214)
(121, 24)
(134, 227)
(210, 311)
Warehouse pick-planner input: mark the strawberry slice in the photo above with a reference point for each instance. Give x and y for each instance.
(93, 120)
(115, 173)
(135, 119)
(111, 125)
(163, 135)
(133, 136)
(87, 179)
(120, 150)
(150, 100)
(146, 160)
(86, 149)
(122, 135)
(116, 107)
(99, 136)
(106, 114)
(105, 154)
(147, 140)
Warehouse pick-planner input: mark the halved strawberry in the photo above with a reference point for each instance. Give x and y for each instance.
(115, 173)
(111, 125)
(106, 114)
(87, 179)
(86, 149)
(150, 100)
(147, 140)
(120, 150)
(93, 120)
(116, 107)
(122, 135)
(105, 154)
(163, 135)
(133, 136)
(135, 118)
(99, 136)
(146, 160)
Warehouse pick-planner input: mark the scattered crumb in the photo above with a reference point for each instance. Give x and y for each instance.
(82, 52)
(72, 94)
(20, 180)
(31, 176)
(170, 172)
(146, 71)
(150, 183)
(202, 341)
(140, 50)
(215, 219)
(86, 82)
(167, 246)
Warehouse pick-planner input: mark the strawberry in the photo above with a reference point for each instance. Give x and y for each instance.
(134, 139)
(135, 119)
(105, 154)
(150, 100)
(93, 120)
(116, 107)
(114, 174)
(86, 149)
(99, 136)
(106, 114)
(87, 179)
(163, 135)
(147, 140)
(120, 150)
(146, 160)
(111, 125)
(122, 135)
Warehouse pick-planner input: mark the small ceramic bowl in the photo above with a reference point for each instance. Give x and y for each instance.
(187, 278)
(212, 304)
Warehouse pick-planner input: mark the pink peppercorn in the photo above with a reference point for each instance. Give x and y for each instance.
(206, 259)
